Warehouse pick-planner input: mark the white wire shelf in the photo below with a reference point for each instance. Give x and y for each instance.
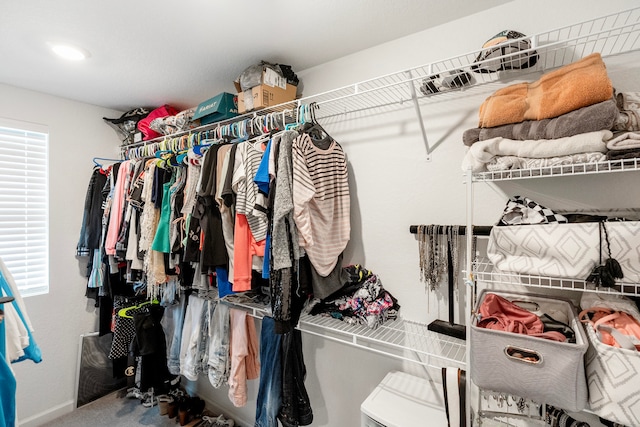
(485, 272)
(401, 339)
(609, 35)
(623, 165)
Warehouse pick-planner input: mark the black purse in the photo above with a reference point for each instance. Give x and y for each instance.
(551, 324)
(605, 274)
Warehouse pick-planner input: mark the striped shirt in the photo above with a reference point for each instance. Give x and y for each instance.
(321, 201)
(248, 158)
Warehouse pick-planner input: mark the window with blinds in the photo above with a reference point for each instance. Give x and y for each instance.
(24, 206)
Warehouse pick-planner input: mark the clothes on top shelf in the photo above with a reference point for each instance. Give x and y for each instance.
(549, 123)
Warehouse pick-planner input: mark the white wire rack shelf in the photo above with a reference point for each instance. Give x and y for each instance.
(625, 165)
(485, 272)
(400, 339)
(609, 35)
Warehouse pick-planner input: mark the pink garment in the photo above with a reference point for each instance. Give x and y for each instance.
(244, 350)
(117, 207)
(244, 248)
(501, 314)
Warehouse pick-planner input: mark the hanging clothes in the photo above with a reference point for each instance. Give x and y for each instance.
(7, 392)
(151, 347)
(20, 344)
(244, 354)
(284, 249)
(321, 201)
(247, 161)
(218, 363)
(191, 353)
(295, 409)
(270, 389)
(16, 344)
(214, 252)
(92, 215)
(226, 159)
(118, 207)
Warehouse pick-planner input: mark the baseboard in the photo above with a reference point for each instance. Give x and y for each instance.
(46, 416)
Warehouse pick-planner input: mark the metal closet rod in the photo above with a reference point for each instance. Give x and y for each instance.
(478, 230)
(226, 124)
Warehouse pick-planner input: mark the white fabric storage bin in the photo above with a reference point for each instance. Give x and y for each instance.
(556, 377)
(612, 380)
(565, 250)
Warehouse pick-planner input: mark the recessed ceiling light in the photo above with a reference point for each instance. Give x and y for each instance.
(69, 52)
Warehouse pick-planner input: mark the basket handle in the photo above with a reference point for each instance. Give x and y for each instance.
(523, 355)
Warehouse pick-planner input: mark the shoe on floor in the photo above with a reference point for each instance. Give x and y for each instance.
(219, 421)
(149, 400)
(163, 403)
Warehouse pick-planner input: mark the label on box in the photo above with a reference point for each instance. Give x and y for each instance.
(273, 79)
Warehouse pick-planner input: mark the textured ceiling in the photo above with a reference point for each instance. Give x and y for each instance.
(148, 53)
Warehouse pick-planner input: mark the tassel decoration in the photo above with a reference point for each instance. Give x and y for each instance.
(605, 275)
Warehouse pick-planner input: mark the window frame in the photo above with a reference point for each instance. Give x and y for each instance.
(19, 267)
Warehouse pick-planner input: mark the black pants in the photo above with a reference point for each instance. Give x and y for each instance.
(296, 407)
(150, 345)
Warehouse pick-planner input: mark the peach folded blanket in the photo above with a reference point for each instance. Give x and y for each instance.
(568, 88)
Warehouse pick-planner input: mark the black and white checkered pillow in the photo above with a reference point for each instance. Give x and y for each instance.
(522, 210)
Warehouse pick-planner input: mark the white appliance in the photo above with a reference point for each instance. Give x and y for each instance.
(404, 400)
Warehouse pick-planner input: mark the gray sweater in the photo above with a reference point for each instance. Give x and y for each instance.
(283, 208)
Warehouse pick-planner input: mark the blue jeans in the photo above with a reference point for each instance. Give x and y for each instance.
(172, 322)
(219, 361)
(270, 390)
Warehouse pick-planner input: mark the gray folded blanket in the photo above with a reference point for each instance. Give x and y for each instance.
(592, 118)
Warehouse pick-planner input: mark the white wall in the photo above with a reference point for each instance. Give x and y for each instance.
(77, 133)
(393, 187)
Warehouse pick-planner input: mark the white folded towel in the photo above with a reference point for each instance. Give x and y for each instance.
(624, 141)
(482, 152)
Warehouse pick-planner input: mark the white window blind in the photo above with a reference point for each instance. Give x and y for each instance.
(24, 206)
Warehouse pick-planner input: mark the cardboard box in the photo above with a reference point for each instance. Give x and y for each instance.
(269, 77)
(221, 107)
(264, 96)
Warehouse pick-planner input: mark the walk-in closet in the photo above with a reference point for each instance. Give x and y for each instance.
(340, 214)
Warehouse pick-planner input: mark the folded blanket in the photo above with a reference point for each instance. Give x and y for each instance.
(624, 141)
(632, 153)
(629, 111)
(483, 152)
(627, 120)
(628, 100)
(505, 163)
(568, 88)
(586, 119)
